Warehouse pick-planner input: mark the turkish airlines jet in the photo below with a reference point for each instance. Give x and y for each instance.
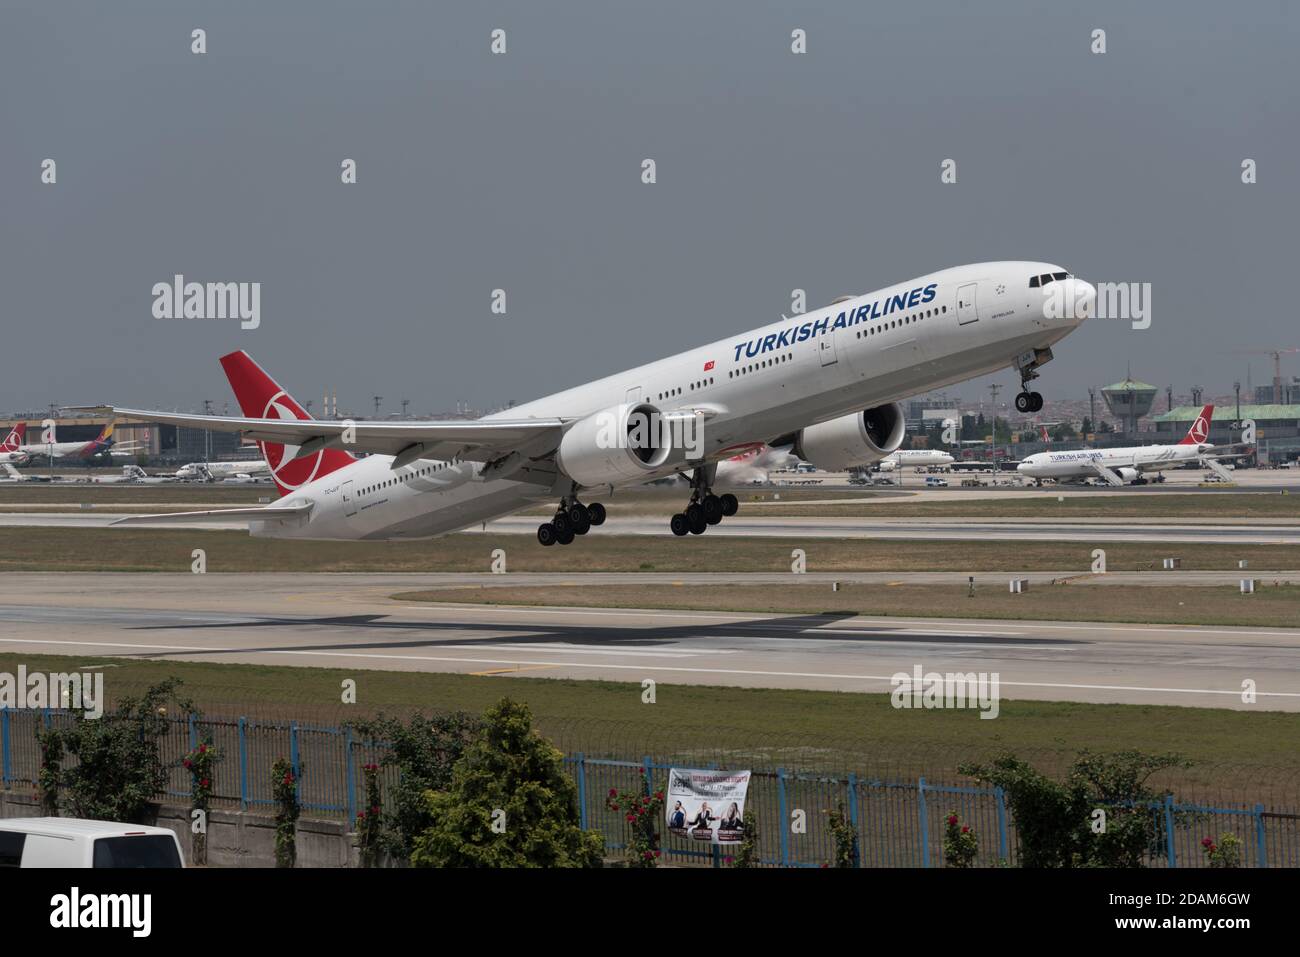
(1119, 466)
(215, 471)
(11, 449)
(827, 384)
(918, 458)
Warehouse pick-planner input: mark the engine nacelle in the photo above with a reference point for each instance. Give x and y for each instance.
(1127, 474)
(852, 440)
(624, 443)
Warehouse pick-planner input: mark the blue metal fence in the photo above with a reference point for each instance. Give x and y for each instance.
(898, 823)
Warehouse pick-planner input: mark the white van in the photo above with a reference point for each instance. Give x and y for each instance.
(73, 842)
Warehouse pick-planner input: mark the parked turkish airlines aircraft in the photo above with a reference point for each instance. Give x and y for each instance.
(919, 458)
(214, 471)
(104, 442)
(1118, 466)
(11, 449)
(826, 384)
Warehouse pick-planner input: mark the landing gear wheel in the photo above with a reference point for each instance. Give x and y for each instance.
(730, 504)
(581, 524)
(698, 524)
(562, 524)
(1024, 402)
(679, 524)
(1035, 402)
(546, 533)
(565, 537)
(695, 515)
(712, 509)
(596, 512)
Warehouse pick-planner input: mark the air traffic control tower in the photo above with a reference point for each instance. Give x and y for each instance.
(1129, 400)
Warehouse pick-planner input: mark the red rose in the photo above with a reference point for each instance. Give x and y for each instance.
(203, 749)
(187, 764)
(203, 783)
(659, 795)
(614, 806)
(657, 853)
(361, 816)
(613, 791)
(631, 818)
(965, 829)
(1207, 842)
(953, 820)
(374, 810)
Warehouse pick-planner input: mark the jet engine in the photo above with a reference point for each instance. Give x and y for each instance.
(1128, 474)
(621, 444)
(859, 438)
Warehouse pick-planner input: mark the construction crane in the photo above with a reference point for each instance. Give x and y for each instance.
(1278, 397)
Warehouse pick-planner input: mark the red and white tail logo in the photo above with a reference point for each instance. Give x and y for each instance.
(261, 398)
(1200, 430)
(14, 440)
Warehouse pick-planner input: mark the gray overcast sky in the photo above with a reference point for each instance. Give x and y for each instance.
(522, 171)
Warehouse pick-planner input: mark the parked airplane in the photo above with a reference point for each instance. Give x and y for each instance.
(103, 443)
(918, 458)
(11, 451)
(827, 384)
(1127, 465)
(214, 471)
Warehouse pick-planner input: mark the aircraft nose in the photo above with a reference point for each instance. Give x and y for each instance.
(1084, 298)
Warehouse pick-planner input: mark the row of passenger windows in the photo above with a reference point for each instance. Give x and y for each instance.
(698, 384)
(1037, 281)
(755, 366)
(424, 470)
(905, 321)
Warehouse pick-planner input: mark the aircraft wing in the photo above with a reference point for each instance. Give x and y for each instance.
(482, 440)
(241, 516)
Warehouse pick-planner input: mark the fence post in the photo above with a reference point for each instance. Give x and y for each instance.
(6, 770)
(582, 790)
(925, 823)
(1169, 830)
(853, 819)
(293, 749)
(243, 762)
(785, 817)
(194, 732)
(351, 775)
(1261, 846)
(1003, 853)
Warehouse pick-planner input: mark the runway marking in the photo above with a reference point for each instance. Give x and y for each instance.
(666, 668)
(507, 671)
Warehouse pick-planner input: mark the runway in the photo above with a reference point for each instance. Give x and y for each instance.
(812, 527)
(348, 621)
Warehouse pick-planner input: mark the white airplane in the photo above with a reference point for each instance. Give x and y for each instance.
(103, 443)
(11, 449)
(134, 475)
(213, 471)
(919, 458)
(827, 384)
(1127, 465)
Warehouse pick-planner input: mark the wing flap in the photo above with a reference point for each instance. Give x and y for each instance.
(239, 516)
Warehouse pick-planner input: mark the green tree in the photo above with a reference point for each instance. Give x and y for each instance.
(423, 751)
(1056, 821)
(119, 770)
(510, 803)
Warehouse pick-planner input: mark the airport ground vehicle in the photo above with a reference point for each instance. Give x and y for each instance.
(933, 481)
(74, 842)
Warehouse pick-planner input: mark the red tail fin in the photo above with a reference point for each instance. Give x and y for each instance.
(260, 397)
(1200, 430)
(14, 440)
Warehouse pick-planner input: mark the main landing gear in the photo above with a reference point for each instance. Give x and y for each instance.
(705, 508)
(573, 518)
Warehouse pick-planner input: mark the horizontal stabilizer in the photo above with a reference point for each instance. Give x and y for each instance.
(239, 516)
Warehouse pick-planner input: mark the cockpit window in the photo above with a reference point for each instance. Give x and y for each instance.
(1036, 282)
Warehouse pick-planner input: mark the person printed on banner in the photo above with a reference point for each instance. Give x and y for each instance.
(677, 819)
(731, 821)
